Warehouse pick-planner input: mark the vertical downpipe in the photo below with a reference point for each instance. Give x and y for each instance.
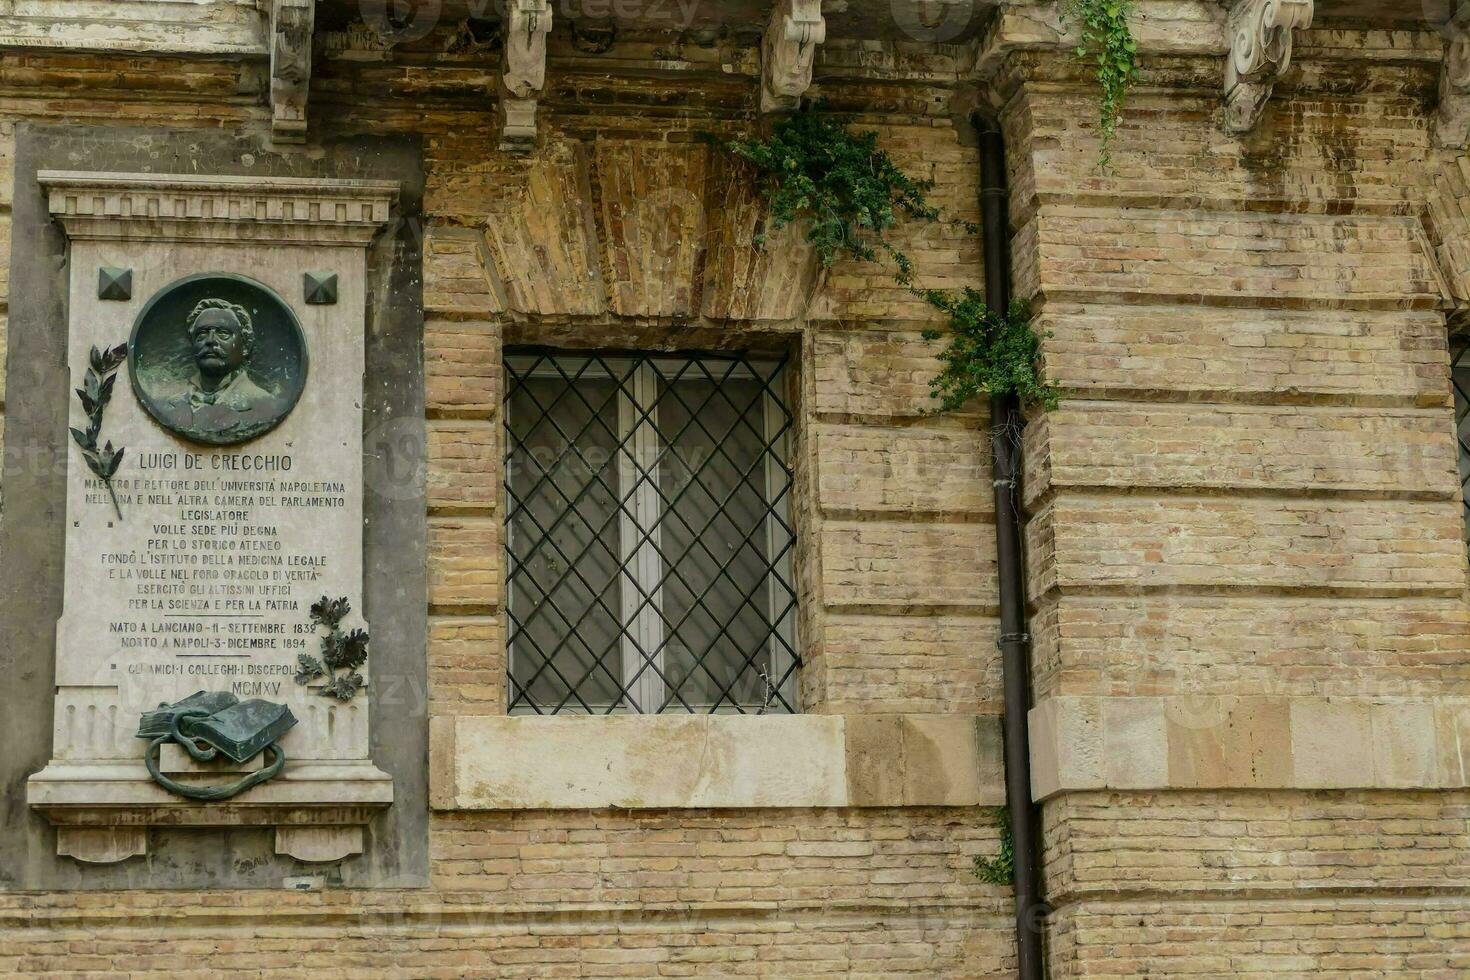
(1015, 643)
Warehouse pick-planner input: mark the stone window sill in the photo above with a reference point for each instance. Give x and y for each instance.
(563, 762)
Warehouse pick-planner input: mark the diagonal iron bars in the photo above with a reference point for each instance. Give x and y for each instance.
(647, 597)
(700, 604)
(648, 534)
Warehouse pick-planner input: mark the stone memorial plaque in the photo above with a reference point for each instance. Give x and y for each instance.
(232, 430)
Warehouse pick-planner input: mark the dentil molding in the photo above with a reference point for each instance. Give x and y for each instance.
(180, 207)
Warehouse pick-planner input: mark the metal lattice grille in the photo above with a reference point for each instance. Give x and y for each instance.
(1460, 375)
(648, 533)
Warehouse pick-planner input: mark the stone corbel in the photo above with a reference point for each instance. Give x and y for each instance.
(527, 24)
(789, 51)
(1452, 122)
(290, 40)
(1260, 53)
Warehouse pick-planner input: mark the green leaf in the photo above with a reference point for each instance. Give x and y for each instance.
(1001, 869)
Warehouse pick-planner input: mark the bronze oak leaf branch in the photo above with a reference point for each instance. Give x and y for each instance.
(342, 652)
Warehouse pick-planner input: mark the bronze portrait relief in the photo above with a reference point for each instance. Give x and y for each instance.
(218, 359)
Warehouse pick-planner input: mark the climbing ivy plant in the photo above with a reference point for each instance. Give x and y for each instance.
(1107, 39)
(988, 353)
(847, 190)
(1001, 869)
(849, 194)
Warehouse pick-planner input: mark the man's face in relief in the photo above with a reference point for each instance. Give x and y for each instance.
(219, 345)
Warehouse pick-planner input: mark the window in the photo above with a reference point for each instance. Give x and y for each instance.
(648, 533)
(1460, 375)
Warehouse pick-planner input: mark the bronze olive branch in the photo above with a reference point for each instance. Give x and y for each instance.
(95, 393)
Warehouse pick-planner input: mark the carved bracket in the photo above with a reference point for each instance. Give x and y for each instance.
(789, 51)
(1260, 53)
(292, 22)
(523, 74)
(1452, 122)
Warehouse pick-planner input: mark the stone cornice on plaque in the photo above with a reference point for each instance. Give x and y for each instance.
(223, 27)
(180, 207)
(291, 32)
(527, 24)
(1260, 53)
(789, 51)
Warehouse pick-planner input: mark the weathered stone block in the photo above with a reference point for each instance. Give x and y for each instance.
(465, 564)
(1343, 357)
(1242, 447)
(894, 566)
(1342, 544)
(462, 369)
(941, 469)
(464, 475)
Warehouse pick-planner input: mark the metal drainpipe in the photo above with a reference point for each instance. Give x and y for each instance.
(1014, 643)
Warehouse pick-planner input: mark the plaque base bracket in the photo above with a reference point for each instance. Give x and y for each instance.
(102, 810)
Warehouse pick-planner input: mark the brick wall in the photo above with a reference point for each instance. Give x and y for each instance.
(1250, 494)
(1249, 491)
(895, 563)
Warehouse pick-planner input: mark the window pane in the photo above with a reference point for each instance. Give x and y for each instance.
(722, 603)
(561, 522)
(648, 534)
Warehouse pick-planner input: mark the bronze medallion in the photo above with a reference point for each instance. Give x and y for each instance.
(217, 358)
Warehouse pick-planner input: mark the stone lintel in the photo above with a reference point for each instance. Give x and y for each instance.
(714, 761)
(1161, 27)
(79, 793)
(222, 28)
(180, 207)
(1218, 742)
(102, 812)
